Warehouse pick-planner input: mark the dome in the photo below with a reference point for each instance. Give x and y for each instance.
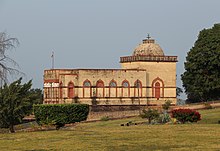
(148, 48)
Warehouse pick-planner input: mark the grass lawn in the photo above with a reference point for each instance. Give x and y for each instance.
(109, 135)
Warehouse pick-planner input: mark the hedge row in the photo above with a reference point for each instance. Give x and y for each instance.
(60, 114)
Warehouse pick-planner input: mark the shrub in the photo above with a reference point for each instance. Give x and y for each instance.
(164, 118)
(150, 114)
(60, 114)
(166, 105)
(186, 115)
(105, 118)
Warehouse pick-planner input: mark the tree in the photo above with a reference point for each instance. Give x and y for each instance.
(37, 95)
(166, 105)
(178, 91)
(6, 63)
(16, 101)
(201, 79)
(150, 114)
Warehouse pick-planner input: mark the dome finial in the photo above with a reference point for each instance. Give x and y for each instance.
(148, 39)
(148, 36)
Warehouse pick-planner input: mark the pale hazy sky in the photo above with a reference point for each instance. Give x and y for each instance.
(95, 33)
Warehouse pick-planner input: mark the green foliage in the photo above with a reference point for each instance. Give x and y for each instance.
(150, 114)
(15, 103)
(164, 118)
(37, 95)
(166, 105)
(201, 79)
(178, 91)
(60, 114)
(186, 115)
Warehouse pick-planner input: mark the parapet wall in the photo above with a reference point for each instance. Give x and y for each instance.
(116, 111)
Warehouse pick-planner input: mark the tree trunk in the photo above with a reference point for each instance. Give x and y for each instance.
(11, 128)
(149, 120)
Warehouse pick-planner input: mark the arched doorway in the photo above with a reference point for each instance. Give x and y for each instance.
(100, 91)
(157, 90)
(70, 90)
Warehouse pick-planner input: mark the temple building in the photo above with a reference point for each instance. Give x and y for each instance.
(147, 77)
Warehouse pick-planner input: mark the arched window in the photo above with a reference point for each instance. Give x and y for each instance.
(70, 90)
(112, 84)
(86, 83)
(137, 84)
(100, 91)
(157, 88)
(113, 89)
(87, 88)
(137, 88)
(125, 84)
(125, 91)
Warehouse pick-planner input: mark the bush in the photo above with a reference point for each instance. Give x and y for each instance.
(105, 118)
(186, 115)
(150, 114)
(166, 105)
(60, 114)
(164, 118)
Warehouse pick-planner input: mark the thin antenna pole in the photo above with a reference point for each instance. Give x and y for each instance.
(52, 57)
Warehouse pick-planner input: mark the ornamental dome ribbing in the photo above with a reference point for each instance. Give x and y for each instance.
(148, 48)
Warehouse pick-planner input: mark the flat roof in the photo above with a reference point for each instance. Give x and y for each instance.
(97, 69)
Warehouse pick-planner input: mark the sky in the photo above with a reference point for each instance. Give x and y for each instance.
(96, 33)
